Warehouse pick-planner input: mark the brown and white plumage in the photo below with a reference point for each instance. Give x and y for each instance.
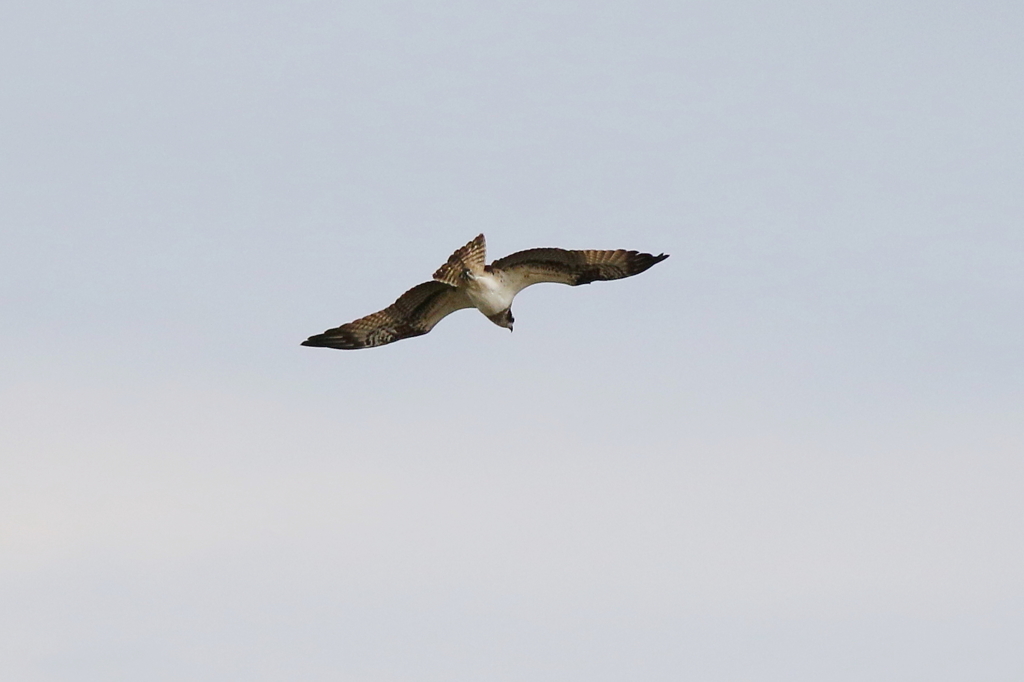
(465, 281)
(414, 313)
(533, 266)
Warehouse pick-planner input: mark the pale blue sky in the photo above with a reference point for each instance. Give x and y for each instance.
(793, 451)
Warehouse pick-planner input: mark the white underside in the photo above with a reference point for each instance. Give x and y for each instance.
(488, 293)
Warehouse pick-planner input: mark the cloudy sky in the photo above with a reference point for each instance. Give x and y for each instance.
(793, 451)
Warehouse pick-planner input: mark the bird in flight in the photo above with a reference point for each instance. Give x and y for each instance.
(466, 282)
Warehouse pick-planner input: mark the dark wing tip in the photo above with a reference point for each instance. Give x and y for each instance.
(639, 262)
(334, 338)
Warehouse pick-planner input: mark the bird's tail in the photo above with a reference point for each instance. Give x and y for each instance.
(470, 258)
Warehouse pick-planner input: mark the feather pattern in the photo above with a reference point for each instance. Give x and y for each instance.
(533, 266)
(469, 258)
(414, 313)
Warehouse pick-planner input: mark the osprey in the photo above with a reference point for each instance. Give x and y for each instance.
(466, 282)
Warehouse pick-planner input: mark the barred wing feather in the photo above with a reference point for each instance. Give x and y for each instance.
(413, 314)
(562, 266)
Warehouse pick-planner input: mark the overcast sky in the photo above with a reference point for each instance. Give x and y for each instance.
(792, 451)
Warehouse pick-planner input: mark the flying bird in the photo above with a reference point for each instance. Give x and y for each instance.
(466, 282)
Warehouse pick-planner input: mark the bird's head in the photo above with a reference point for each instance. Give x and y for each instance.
(503, 319)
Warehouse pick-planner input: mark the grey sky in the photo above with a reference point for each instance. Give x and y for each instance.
(792, 451)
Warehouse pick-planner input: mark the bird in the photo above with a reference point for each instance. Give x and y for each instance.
(465, 281)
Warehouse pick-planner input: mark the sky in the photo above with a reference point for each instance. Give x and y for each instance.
(792, 451)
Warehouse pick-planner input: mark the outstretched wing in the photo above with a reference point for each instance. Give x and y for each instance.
(533, 266)
(414, 313)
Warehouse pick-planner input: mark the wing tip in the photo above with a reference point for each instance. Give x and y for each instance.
(645, 261)
(327, 340)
